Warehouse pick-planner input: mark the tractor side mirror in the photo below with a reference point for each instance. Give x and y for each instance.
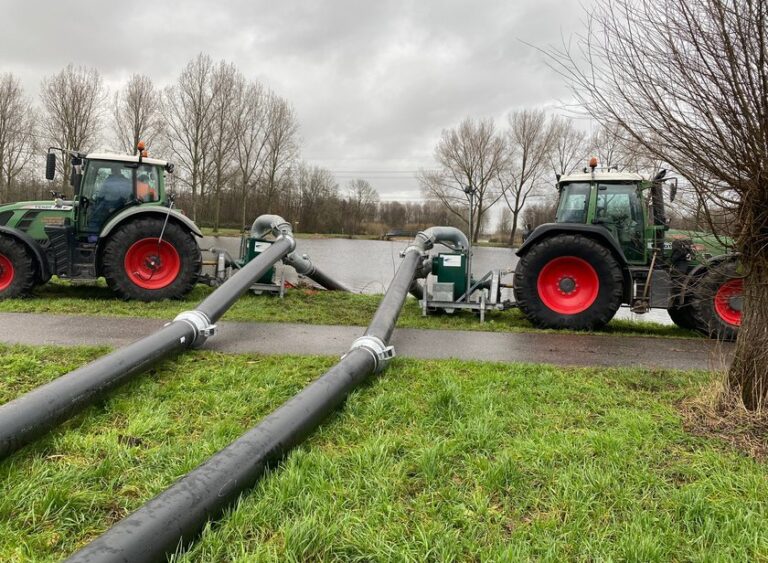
(673, 190)
(50, 166)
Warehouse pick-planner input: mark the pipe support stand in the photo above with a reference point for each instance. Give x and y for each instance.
(200, 323)
(381, 352)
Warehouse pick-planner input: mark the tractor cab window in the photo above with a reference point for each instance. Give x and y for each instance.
(147, 183)
(574, 201)
(619, 210)
(109, 186)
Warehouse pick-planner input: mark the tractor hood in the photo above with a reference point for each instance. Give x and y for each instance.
(703, 243)
(12, 212)
(39, 205)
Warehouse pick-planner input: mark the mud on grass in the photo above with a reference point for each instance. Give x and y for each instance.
(442, 460)
(299, 306)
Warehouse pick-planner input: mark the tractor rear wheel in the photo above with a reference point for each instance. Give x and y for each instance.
(137, 264)
(682, 316)
(569, 281)
(17, 270)
(718, 302)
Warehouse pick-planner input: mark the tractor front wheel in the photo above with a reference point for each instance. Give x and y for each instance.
(569, 281)
(138, 264)
(718, 302)
(17, 270)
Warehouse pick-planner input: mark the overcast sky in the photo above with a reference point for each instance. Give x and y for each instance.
(373, 83)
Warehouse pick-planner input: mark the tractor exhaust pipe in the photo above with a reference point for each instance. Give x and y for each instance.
(177, 515)
(29, 416)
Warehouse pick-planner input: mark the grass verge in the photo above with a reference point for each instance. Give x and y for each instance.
(432, 460)
(299, 306)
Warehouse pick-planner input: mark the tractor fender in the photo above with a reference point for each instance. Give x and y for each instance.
(132, 212)
(697, 272)
(43, 272)
(593, 231)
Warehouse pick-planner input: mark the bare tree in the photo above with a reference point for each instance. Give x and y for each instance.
(361, 203)
(251, 134)
(17, 132)
(282, 147)
(136, 113)
(569, 147)
(530, 139)
(226, 82)
(318, 195)
(470, 158)
(543, 211)
(73, 103)
(688, 81)
(188, 111)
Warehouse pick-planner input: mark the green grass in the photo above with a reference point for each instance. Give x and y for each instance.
(299, 306)
(432, 460)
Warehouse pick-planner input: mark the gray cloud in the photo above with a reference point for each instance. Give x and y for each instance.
(373, 83)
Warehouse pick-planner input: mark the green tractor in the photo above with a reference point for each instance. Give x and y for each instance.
(120, 225)
(611, 245)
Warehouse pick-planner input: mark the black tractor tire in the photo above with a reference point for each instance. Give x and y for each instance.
(682, 316)
(137, 266)
(17, 269)
(713, 314)
(595, 267)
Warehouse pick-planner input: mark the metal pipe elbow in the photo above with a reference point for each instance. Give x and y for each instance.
(449, 236)
(271, 224)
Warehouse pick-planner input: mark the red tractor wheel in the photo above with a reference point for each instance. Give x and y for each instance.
(17, 270)
(568, 285)
(728, 301)
(569, 281)
(7, 273)
(151, 263)
(138, 264)
(718, 301)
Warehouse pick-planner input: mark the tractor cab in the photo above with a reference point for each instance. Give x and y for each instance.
(111, 182)
(611, 200)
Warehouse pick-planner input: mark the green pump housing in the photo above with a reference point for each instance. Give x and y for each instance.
(451, 267)
(250, 248)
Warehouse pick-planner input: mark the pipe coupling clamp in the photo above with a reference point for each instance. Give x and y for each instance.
(200, 323)
(381, 352)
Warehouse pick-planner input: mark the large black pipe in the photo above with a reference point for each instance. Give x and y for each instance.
(27, 417)
(304, 266)
(175, 516)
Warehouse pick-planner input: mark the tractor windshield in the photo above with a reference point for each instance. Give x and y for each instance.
(109, 186)
(574, 201)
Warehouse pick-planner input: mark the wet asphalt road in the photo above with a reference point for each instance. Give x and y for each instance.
(279, 338)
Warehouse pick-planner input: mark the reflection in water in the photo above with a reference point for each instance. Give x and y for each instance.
(368, 266)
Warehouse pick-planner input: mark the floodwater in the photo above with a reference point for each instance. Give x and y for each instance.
(367, 266)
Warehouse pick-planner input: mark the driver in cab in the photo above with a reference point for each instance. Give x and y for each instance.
(114, 194)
